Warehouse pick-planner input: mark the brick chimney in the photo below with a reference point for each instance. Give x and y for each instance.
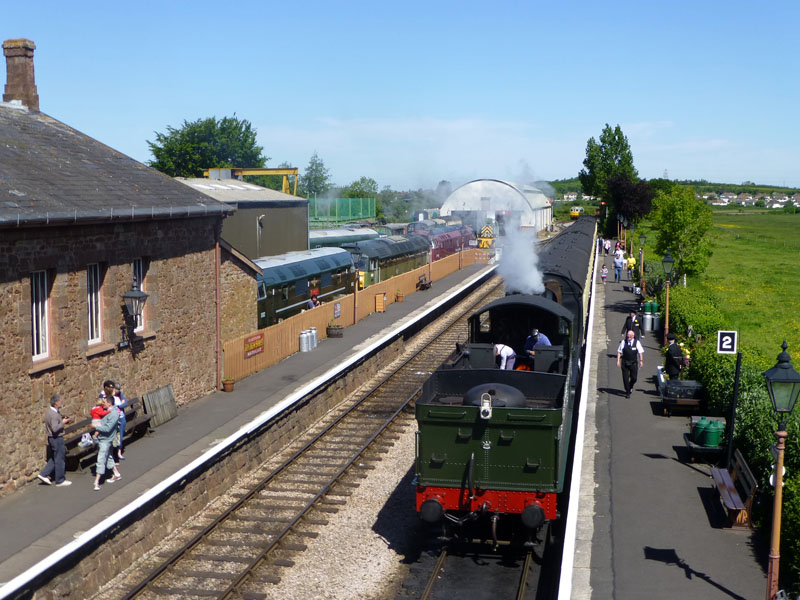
(20, 83)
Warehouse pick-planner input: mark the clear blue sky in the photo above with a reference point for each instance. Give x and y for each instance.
(414, 92)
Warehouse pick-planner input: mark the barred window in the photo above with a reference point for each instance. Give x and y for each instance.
(39, 310)
(93, 303)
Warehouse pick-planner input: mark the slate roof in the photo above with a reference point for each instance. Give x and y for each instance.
(52, 174)
(241, 193)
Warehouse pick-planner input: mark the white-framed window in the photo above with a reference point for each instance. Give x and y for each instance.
(39, 310)
(93, 303)
(138, 274)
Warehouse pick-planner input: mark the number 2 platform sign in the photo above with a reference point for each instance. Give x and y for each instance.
(726, 342)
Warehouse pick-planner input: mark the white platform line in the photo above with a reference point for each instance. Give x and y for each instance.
(570, 529)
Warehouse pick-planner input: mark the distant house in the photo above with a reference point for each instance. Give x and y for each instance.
(744, 199)
(782, 198)
(570, 196)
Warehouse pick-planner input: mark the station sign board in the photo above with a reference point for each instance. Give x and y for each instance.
(253, 345)
(727, 342)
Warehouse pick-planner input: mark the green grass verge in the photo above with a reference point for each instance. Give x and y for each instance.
(754, 274)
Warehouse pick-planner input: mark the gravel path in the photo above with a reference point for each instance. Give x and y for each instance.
(361, 552)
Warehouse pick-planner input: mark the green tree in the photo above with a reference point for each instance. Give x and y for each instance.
(316, 180)
(632, 199)
(683, 221)
(366, 187)
(206, 143)
(611, 156)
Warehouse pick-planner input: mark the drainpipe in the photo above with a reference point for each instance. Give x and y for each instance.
(217, 258)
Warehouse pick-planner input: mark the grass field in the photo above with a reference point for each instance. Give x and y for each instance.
(755, 275)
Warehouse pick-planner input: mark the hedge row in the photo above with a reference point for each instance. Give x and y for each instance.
(755, 421)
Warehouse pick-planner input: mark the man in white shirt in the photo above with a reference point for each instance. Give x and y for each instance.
(507, 356)
(630, 356)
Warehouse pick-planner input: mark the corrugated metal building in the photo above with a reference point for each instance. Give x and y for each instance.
(509, 203)
(267, 222)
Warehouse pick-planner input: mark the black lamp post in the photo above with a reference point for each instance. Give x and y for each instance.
(134, 301)
(668, 263)
(783, 386)
(642, 240)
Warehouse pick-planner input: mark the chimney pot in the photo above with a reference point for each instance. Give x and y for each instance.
(20, 82)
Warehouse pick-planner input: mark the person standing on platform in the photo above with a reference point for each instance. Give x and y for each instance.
(607, 246)
(604, 274)
(507, 356)
(618, 263)
(674, 358)
(631, 266)
(632, 323)
(313, 302)
(107, 431)
(56, 453)
(630, 356)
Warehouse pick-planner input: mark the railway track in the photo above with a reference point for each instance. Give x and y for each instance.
(235, 553)
(463, 573)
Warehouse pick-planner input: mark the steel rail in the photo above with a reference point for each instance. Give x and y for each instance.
(259, 486)
(434, 575)
(523, 578)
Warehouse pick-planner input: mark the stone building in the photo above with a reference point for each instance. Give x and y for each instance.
(78, 221)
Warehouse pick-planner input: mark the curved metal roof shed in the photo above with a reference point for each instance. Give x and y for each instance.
(492, 197)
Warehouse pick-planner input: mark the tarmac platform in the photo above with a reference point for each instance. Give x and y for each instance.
(650, 525)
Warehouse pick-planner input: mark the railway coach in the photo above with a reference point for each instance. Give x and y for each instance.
(383, 258)
(334, 238)
(493, 445)
(288, 280)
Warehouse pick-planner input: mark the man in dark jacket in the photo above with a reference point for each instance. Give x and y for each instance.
(674, 358)
(632, 323)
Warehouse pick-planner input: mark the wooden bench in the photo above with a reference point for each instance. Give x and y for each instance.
(737, 488)
(77, 457)
(424, 283)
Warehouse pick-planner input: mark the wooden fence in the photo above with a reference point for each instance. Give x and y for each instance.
(260, 349)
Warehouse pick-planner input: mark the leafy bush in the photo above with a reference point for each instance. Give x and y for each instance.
(690, 306)
(790, 533)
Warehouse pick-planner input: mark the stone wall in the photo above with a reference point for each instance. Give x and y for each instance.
(239, 295)
(179, 320)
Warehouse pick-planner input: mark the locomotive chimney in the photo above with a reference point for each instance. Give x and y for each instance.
(20, 83)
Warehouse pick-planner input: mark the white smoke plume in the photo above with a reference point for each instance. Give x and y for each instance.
(519, 264)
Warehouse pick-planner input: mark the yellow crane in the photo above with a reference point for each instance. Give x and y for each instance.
(286, 172)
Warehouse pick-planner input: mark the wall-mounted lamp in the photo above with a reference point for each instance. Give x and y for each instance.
(134, 302)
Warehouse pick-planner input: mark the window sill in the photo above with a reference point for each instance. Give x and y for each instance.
(96, 349)
(145, 335)
(45, 365)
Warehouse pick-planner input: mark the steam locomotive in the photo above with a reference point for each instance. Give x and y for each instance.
(494, 444)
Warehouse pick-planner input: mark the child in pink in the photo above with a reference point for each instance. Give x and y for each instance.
(604, 274)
